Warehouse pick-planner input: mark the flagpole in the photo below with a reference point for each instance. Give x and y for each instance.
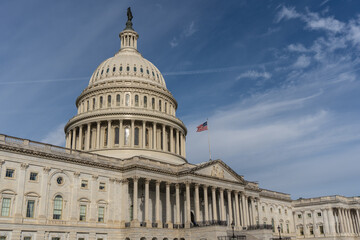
(209, 139)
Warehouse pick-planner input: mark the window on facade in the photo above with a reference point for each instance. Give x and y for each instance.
(160, 105)
(30, 209)
(165, 107)
(281, 228)
(263, 208)
(120, 68)
(270, 209)
(161, 141)
(319, 214)
(109, 101)
(136, 138)
(311, 230)
(102, 71)
(114, 68)
(147, 71)
(118, 100)
(127, 68)
(10, 173)
(126, 136)
(33, 176)
(321, 229)
(153, 103)
(145, 101)
(107, 70)
(287, 228)
(105, 136)
(285, 211)
(59, 180)
(58, 203)
(299, 215)
(134, 69)
(309, 215)
(102, 186)
(101, 214)
(273, 224)
(147, 137)
(55, 238)
(84, 184)
(5, 207)
(87, 105)
(280, 211)
(101, 102)
(136, 100)
(94, 104)
(141, 70)
(116, 138)
(127, 99)
(27, 238)
(82, 213)
(301, 231)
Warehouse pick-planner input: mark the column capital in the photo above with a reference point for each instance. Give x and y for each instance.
(135, 178)
(168, 183)
(177, 185)
(24, 165)
(158, 182)
(221, 189)
(213, 188)
(147, 180)
(204, 186)
(187, 183)
(46, 169)
(197, 185)
(125, 180)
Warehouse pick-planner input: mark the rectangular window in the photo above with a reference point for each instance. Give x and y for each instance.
(287, 228)
(33, 176)
(319, 214)
(263, 208)
(281, 228)
(2, 237)
(101, 214)
(81, 238)
(82, 212)
(27, 238)
(321, 229)
(30, 209)
(84, 184)
(301, 231)
(299, 215)
(309, 215)
(10, 173)
(102, 186)
(5, 207)
(311, 231)
(55, 238)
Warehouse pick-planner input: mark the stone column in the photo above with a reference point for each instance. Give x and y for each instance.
(73, 138)
(188, 210)
(157, 204)
(351, 221)
(147, 220)
(358, 219)
(44, 195)
(67, 140)
(341, 221)
(125, 202)
(253, 211)
(222, 204)
(154, 136)
(182, 144)
(314, 224)
(19, 200)
(135, 221)
(259, 212)
(109, 135)
(197, 203)
(237, 209)
(177, 190)
(168, 205)
(304, 224)
(244, 213)
(132, 137)
(172, 139)
(143, 134)
(88, 136)
(121, 137)
(230, 207)
(164, 142)
(206, 203)
(324, 214)
(94, 187)
(213, 191)
(80, 138)
(74, 197)
(177, 141)
(98, 125)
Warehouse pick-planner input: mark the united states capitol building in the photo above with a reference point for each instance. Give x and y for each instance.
(124, 175)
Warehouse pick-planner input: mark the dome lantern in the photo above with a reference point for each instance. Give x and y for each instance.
(128, 37)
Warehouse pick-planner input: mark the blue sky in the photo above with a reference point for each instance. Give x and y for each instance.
(278, 80)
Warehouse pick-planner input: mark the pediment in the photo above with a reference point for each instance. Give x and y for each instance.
(218, 169)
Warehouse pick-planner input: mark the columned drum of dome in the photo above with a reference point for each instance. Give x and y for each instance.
(127, 111)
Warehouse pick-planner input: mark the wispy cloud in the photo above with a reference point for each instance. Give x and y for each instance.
(254, 74)
(188, 31)
(302, 62)
(56, 136)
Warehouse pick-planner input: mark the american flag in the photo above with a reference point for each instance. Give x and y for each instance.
(202, 127)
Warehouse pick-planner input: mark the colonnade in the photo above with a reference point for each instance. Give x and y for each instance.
(347, 221)
(126, 133)
(203, 205)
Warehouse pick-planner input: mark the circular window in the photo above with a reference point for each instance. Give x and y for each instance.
(60, 180)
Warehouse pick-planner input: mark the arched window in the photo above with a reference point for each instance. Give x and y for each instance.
(145, 101)
(118, 100)
(136, 138)
(101, 102)
(160, 105)
(87, 105)
(134, 69)
(162, 140)
(273, 224)
(127, 99)
(127, 68)
(126, 136)
(147, 137)
(114, 68)
(165, 107)
(94, 103)
(116, 140)
(136, 100)
(141, 70)
(58, 204)
(105, 137)
(109, 101)
(153, 103)
(120, 68)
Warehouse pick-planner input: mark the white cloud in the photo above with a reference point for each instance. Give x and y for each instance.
(56, 136)
(302, 62)
(286, 13)
(297, 48)
(315, 22)
(174, 42)
(190, 30)
(254, 74)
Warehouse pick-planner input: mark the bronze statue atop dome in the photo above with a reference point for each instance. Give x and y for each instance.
(130, 17)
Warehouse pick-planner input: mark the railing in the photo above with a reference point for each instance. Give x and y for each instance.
(127, 224)
(260, 226)
(154, 225)
(142, 224)
(179, 225)
(237, 237)
(281, 238)
(208, 223)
